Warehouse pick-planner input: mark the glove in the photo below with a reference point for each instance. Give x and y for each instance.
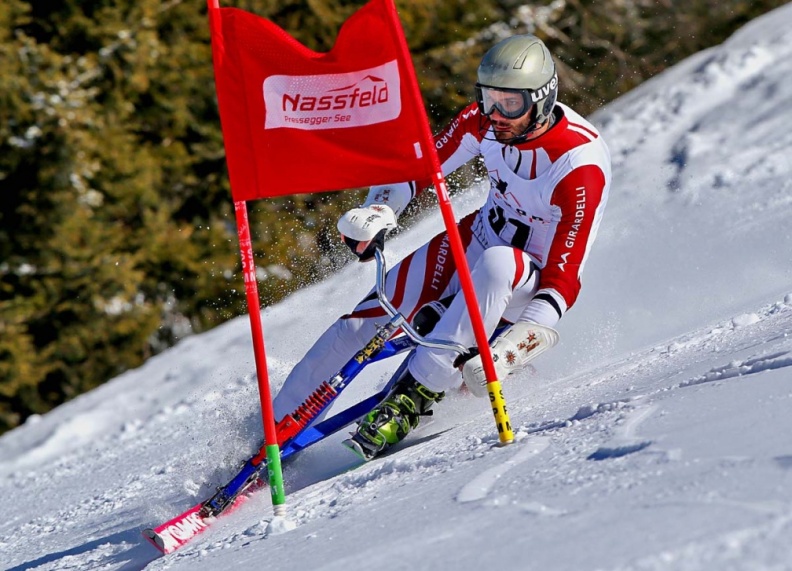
(511, 352)
(363, 229)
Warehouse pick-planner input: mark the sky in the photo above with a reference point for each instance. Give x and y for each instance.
(655, 436)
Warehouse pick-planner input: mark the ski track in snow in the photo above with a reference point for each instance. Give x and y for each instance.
(625, 440)
(481, 485)
(742, 368)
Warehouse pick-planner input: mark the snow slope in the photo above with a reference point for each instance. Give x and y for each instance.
(655, 437)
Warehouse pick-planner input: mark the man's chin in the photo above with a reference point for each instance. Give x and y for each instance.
(504, 137)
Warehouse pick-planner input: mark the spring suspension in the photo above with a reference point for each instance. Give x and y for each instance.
(293, 423)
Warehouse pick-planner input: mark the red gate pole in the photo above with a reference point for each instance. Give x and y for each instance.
(502, 421)
(254, 311)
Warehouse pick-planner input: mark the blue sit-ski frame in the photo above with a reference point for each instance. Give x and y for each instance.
(380, 347)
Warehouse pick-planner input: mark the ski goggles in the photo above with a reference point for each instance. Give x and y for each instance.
(511, 103)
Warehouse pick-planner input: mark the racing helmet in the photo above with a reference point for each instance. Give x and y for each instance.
(518, 75)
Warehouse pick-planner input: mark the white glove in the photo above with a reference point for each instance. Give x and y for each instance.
(363, 229)
(397, 196)
(511, 352)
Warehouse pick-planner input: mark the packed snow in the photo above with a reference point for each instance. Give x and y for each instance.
(656, 436)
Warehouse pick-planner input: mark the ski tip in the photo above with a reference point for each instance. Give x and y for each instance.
(154, 538)
(356, 448)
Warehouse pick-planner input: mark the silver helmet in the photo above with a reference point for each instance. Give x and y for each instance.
(518, 65)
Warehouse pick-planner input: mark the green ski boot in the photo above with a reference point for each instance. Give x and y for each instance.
(391, 421)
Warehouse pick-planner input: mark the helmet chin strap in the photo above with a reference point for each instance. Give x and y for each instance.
(524, 136)
(532, 128)
(535, 127)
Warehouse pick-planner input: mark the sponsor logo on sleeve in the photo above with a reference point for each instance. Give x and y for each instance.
(580, 213)
(333, 101)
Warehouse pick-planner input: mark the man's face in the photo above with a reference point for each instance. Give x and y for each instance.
(509, 112)
(506, 130)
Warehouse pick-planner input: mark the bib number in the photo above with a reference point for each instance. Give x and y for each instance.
(515, 232)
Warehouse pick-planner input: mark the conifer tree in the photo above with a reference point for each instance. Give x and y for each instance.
(117, 232)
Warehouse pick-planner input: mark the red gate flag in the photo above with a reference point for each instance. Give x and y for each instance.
(295, 120)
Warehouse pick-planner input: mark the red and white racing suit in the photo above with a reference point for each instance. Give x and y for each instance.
(526, 248)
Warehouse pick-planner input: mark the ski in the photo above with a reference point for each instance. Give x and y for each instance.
(298, 430)
(176, 532)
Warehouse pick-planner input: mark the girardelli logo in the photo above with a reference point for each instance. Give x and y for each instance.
(333, 101)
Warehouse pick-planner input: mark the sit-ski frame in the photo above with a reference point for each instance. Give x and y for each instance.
(294, 432)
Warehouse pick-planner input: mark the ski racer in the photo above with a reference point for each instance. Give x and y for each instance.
(550, 172)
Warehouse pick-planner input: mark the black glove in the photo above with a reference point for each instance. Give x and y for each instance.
(363, 229)
(376, 243)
